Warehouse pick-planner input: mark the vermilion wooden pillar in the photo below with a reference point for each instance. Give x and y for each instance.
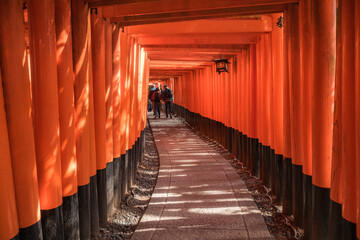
(335, 216)
(322, 94)
(94, 201)
(287, 186)
(9, 226)
(98, 67)
(46, 115)
(306, 75)
(15, 76)
(67, 118)
(109, 119)
(348, 119)
(357, 107)
(295, 114)
(278, 63)
(79, 19)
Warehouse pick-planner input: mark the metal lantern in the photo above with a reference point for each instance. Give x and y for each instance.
(221, 65)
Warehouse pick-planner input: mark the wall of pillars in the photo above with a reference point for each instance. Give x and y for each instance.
(289, 110)
(72, 136)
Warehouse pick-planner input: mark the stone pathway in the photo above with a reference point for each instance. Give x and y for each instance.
(198, 193)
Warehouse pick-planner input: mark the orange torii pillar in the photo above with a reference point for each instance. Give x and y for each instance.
(116, 96)
(335, 217)
(348, 165)
(287, 172)
(295, 114)
(81, 63)
(253, 127)
(322, 95)
(357, 107)
(15, 76)
(9, 226)
(94, 201)
(98, 67)
(109, 119)
(306, 62)
(278, 83)
(123, 113)
(67, 118)
(46, 115)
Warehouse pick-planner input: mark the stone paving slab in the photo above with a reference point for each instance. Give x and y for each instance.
(198, 194)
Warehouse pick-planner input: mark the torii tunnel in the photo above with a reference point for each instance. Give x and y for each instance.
(74, 95)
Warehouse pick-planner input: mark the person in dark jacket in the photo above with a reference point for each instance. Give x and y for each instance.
(156, 97)
(168, 97)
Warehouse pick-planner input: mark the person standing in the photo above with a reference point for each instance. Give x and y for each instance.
(156, 97)
(168, 99)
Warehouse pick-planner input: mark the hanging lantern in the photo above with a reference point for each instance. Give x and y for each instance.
(221, 65)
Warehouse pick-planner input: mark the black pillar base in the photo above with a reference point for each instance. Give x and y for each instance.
(307, 203)
(273, 172)
(127, 167)
(110, 188)
(279, 178)
(117, 184)
(348, 230)
(287, 187)
(335, 221)
(84, 211)
(102, 196)
(297, 191)
(94, 206)
(123, 181)
(71, 217)
(320, 212)
(52, 223)
(33, 232)
(266, 166)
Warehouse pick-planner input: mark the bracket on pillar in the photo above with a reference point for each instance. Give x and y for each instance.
(280, 22)
(93, 10)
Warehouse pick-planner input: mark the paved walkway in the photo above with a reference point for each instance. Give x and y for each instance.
(198, 193)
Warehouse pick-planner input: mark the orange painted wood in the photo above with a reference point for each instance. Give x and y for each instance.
(267, 90)
(93, 163)
(45, 102)
(336, 158)
(357, 107)
(259, 89)
(183, 5)
(108, 92)
(295, 87)
(98, 67)
(124, 91)
(116, 91)
(286, 89)
(9, 226)
(278, 84)
(348, 111)
(66, 97)
(15, 77)
(322, 88)
(79, 18)
(253, 131)
(306, 74)
(223, 26)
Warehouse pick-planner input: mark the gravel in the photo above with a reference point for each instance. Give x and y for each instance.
(123, 223)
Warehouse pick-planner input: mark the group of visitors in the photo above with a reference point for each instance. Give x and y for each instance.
(156, 96)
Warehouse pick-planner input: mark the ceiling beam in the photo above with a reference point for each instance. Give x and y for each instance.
(195, 15)
(188, 40)
(169, 6)
(100, 3)
(220, 26)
